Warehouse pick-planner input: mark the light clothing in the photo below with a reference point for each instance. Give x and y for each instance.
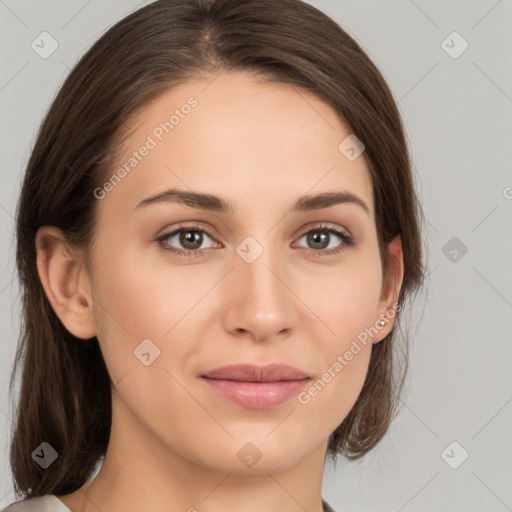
(47, 503)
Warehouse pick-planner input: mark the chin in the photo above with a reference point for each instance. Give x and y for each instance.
(255, 454)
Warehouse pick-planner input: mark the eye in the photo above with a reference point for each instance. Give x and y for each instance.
(189, 237)
(192, 237)
(320, 238)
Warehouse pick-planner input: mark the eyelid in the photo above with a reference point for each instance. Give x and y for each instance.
(186, 225)
(319, 226)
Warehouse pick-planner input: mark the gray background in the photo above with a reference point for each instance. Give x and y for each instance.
(457, 116)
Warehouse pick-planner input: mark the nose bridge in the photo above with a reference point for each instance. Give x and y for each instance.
(260, 300)
(257, 266)
(260, 275)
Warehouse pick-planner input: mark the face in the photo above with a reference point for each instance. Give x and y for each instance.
(180, 286)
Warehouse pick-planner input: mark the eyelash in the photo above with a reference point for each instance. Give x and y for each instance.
(347, 241)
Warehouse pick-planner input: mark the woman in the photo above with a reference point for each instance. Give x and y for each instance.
(216, 233)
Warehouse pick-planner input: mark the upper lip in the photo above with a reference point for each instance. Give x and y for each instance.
(254, 373)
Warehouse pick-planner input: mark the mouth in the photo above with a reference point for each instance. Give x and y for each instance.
(255, 386)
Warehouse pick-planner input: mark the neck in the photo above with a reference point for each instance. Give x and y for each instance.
(139, 472)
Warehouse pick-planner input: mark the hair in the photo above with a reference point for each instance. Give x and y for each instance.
(65, 394)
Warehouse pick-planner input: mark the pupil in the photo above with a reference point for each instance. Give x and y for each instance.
(188, 237)
(319, 238)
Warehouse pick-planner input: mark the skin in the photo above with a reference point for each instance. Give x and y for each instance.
(174, 442)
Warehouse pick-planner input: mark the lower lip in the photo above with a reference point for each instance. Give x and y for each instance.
(257, 395)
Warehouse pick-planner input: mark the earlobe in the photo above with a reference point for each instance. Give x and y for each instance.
(65, 282)
(392, 285)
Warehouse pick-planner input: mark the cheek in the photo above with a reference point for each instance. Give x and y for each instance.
(132, 305)
(344, 360)
(346, 304)
(140, 312)
(141, 299)
(333, 395)
(137, 299)
(345, 300)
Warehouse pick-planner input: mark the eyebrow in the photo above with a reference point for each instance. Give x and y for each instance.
(214, 203)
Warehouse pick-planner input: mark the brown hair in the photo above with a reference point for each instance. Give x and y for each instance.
(65, 395)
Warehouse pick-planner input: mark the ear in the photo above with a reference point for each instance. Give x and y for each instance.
(392, 284)
(65, 281)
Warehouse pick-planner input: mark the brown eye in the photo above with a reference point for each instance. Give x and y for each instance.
(190, 239)
(319, 239)
(185, 241)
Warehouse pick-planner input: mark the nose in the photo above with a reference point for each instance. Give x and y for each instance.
(260, 298)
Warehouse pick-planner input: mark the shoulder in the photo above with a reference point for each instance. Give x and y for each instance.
(47, 503)
(326, 506)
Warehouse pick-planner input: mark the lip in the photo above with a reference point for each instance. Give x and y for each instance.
(254, 373)
(256, 386)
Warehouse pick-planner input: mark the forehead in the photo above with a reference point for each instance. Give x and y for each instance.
(238, 137)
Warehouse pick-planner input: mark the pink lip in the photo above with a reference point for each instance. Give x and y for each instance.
(256, 386)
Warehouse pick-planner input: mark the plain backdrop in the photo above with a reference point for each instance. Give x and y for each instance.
(448, 65)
